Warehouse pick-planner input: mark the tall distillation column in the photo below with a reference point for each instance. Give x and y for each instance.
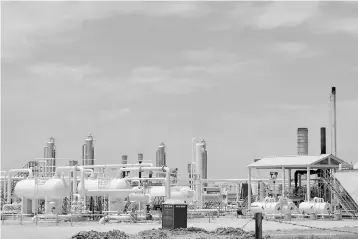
(161, 159)
(50, 156)
(88, 151)
(201, 169)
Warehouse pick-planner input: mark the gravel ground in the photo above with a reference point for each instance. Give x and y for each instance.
(12, 229)
(191, 232)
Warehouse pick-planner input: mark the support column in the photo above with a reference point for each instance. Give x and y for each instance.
(283, 181)
(289, 180)
(308, 183)
(249, 191)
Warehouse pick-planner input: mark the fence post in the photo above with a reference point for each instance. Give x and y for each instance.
(258, 225)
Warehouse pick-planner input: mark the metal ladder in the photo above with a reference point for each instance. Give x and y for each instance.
(347, 202)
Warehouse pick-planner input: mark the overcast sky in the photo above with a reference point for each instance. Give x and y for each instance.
(243, 76)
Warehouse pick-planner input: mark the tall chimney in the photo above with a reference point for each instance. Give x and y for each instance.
(333, 122)
(302, 141)
(323, 140)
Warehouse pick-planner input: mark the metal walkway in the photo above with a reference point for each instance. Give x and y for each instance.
(345, 200)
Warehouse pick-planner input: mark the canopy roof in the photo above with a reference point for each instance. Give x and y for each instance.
(298, 161)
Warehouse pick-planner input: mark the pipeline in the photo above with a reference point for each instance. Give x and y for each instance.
(9, 176)
(302, 172)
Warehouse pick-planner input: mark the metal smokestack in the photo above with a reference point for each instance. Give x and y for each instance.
(323, 140)
(124, 159)
(333, 120)
(302, 141)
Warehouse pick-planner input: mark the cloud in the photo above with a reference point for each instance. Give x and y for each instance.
(149, 74)
(109, 115)
(347, 25)
(58, 71)
(26, 23)
(290, 107)
(266, 15)
(293, 50)
(209, 55)
(285, 14)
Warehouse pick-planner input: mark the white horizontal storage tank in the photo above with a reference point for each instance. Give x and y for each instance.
(317, 206)
(91, 184)
(178, 193)
(306, 207)
(27, 188)
(56, 188)
(119, 183)
(272, 207)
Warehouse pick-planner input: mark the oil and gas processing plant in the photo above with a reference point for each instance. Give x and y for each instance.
(297, 186)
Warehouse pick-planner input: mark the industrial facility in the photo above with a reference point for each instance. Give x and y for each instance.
(302, 185)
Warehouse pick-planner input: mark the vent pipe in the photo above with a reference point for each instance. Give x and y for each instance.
(140, 160)
(124, 161)
(333, 122)
(323, 140)
(302, 141)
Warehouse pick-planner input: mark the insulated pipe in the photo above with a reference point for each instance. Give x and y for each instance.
(9, 180)
(308, 184)
(164, 169)
(302, 172)
(119, 165)
(249, 191)
(74, 169)
(142, 179)
(4, 184)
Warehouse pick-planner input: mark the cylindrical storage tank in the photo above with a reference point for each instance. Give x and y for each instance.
(89, 150)
(178, 193)
(138, 197)
(119, 183)
(323, 208)
(91, 184)
(302, 141)
(274, 207)
(51, 155)
(289, 207)
(160, 160)
(257, 207)
(306, 207)
(26, 188)
(56, 188)
(201, 160)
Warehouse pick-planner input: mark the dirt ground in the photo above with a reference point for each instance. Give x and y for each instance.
(293, 229)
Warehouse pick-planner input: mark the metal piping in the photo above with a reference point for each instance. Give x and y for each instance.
(9, 180)
(163, 168)
(118, 165)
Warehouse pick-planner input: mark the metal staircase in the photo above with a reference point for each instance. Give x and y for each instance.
(345, 200)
